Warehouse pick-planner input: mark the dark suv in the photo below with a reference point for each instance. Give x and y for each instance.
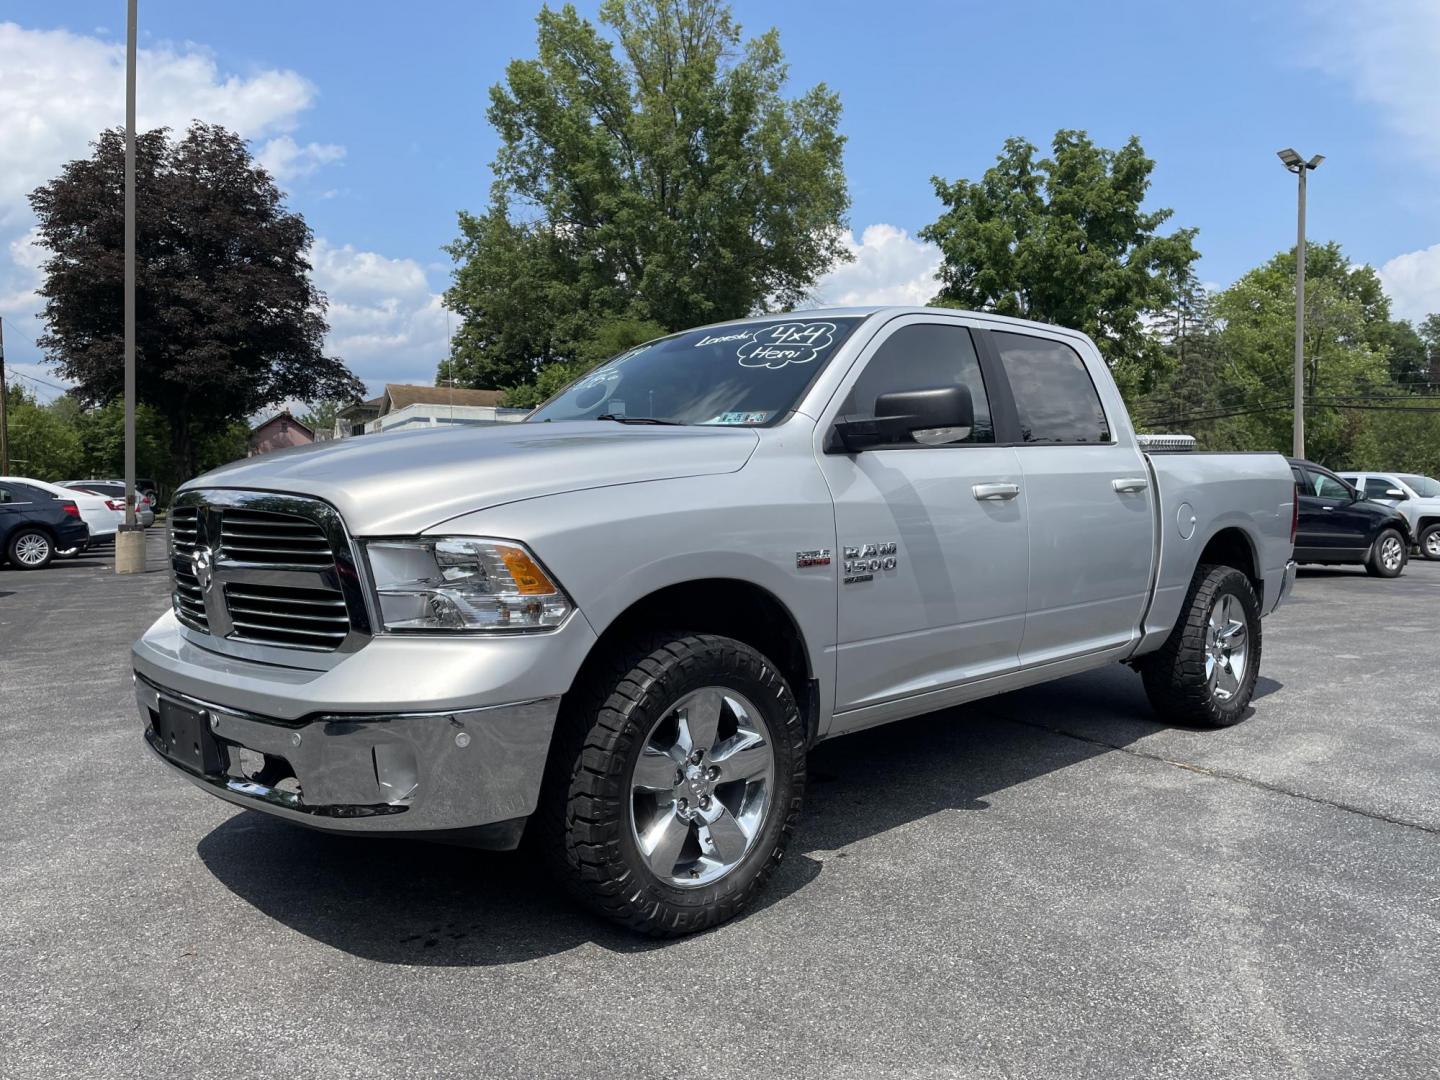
(34, 524)
(1339, 525)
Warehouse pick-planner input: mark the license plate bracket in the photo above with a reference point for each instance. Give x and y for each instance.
(184, 737)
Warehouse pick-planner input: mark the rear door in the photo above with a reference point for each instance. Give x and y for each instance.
(1089, 499)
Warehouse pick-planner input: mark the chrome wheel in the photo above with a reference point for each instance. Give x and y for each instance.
(1227, 640)
(1392, 553)
(1432, 544)
(32, 549)
(701, 787)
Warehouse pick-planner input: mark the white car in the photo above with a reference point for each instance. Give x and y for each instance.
(103, 515)
(1417, 497)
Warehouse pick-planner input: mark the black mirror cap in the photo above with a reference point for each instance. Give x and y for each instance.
(942, 407)
(899, 414)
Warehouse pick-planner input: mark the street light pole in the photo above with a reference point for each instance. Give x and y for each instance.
(130, 540)
(1300, 319)
(1299, 166)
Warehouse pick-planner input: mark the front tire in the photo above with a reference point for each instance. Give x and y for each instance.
(1430, 542)
(1387, 556)
(674, 784)
(1205, 672)
(31, 549)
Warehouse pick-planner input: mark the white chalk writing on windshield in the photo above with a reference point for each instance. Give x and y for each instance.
(786, 343)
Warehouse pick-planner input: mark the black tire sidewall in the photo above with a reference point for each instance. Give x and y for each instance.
(1426, 533)
(786, 785)
(1235, 584)
(1376, 566)
(583, 825)
(15, 544)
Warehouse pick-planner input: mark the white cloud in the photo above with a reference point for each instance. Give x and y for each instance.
(386, 322)
(890, 267)
(59, 90)
(1389, 52)
(285, 159)
(1412, 281)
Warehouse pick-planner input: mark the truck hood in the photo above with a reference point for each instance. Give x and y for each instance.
(407, 482)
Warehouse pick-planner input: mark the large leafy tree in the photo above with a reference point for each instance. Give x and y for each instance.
(1064, 239)
(1230, 380)
(227, 320)
(1347, 348)
(653, 173)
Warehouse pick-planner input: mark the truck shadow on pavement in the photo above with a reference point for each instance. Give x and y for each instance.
(410, 902)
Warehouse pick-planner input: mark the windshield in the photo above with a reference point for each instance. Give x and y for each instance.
(1423, 486)
(751, 374)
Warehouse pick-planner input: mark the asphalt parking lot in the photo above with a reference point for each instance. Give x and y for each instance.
(1049, 884)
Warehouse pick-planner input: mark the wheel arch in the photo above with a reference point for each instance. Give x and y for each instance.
(730, 607)
(1232, 545)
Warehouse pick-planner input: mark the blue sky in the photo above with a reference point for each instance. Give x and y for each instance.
(373, 116)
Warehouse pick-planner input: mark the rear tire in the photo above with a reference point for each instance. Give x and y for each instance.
(1387, 556)
(1430, 542)
(635, 820)
(1205, 672)
(30, 549)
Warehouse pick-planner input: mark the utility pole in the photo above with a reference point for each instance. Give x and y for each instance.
(1299, 166)
(4, 404)
(130, 539)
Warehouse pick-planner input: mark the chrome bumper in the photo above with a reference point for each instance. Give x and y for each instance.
(1287, 583)
(384, 773)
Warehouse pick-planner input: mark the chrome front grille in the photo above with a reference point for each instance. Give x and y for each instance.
(282, 615)
(261, 569)
(270, 539)
(190, 607)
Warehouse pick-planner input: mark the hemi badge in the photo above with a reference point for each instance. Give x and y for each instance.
(817, 557)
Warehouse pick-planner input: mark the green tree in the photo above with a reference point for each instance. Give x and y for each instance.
(1409, 358)
(657, 173)
(228, 321)
(1348, 338)
(610, 338)
(1429, 332)
(42, 444)
(320, 415)
(1064, 240)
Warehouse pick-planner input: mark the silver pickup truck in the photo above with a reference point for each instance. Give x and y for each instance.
(617, 627)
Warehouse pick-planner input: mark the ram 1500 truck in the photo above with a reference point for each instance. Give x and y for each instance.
(618, 626)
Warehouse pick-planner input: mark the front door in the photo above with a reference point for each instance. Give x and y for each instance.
(932, 536)
(1329, 520)
(1090, 502)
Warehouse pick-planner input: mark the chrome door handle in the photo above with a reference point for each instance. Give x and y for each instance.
(1327, 509)
(1127, 484)
(995, 492)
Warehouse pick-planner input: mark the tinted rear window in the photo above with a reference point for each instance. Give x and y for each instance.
(1055, 398)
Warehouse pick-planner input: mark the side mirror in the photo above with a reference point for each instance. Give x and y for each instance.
(1396, 494)
(929, 417)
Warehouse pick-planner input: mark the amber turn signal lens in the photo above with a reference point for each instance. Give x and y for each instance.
(530, 580)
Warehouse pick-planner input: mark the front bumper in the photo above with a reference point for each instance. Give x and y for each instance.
(395, 773)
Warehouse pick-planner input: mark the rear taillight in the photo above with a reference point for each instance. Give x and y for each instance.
(115, 504)
(70, 508)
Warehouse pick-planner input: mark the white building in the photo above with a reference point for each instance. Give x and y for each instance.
(403, 407)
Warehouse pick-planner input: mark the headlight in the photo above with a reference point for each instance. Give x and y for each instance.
(456, 583)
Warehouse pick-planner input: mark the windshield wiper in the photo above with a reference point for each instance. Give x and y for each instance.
(637, 420)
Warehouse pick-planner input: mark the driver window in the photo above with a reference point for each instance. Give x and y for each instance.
(1376, 488)
(1327, 487)
(924, 356)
